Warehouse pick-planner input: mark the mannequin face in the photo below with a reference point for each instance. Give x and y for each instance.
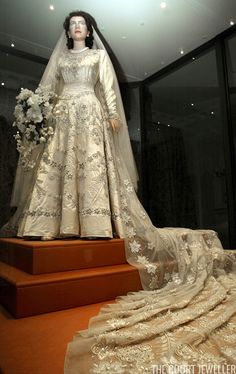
(78, 29)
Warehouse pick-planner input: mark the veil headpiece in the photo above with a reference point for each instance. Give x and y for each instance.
(121, 139)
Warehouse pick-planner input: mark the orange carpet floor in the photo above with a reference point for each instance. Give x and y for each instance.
(37, 345)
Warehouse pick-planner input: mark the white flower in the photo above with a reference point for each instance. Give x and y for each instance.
(151, 268)
(17, 136)
(21, 127)
(125, 217)
(135, 246)
(50, 130)
(33, 100)
(34, 114)
(176, 279)
(18, 110)
(131, 232)
(130, 189)
(42, 139)
(128, 186)
(142, 260)
(19, 115)
(24, 94)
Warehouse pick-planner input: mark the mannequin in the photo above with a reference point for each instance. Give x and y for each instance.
(88, 117)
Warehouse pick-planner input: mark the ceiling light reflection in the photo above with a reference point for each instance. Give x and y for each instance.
(163, 5)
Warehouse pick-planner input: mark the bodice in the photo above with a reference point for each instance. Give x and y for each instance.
(81, 69)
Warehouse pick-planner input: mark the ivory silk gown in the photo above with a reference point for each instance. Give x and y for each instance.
(73, 190)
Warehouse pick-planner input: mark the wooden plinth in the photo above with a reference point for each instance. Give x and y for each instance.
(38, 257)
(62, 274)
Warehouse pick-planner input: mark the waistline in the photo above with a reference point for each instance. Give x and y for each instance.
(76, 89)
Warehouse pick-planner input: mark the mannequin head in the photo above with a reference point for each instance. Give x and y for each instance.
(71, 24)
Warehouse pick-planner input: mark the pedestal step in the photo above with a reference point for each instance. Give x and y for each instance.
(38, 257)
(26, 295)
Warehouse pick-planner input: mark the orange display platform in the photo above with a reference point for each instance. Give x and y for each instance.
(48, 282)
(25, 295)
(39, 257)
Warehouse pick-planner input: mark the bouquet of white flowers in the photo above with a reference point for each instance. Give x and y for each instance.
(34, 121)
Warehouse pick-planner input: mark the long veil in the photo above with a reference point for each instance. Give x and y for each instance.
(180, 270)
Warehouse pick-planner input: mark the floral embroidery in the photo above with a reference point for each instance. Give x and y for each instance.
(116, 323)
(176, 279)
(151, 268)
(131, 232)
(128, 186)
(109, 367)
(41, 213)
(135, 246)
(125, 217)
(97, 212)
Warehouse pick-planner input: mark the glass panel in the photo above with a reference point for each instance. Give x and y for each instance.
(15, 72)
(231, 67)
(186, 166)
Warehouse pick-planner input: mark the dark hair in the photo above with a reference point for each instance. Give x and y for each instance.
(88, 20)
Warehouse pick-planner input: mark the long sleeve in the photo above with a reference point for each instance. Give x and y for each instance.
(106, 80)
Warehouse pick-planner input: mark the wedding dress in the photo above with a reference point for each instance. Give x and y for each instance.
(84, 185)
(75, 192)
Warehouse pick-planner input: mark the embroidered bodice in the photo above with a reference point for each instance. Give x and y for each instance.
(81, 68)
(82, 71)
